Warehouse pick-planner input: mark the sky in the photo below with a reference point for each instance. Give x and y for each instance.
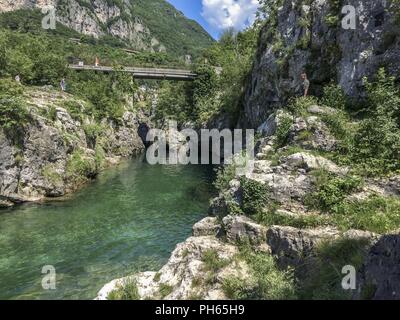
(217, 15)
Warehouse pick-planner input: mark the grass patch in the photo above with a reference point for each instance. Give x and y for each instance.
(377, 214)
(165, 290)
(324, 278)
(157, 277)
(271, 218)
(212, 261)
(266, 281)
(331, 191)
(127, 291)
(299, 106)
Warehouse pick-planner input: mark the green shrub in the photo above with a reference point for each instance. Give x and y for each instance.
(52, 113)
(376, 148)
(224, 175)
(80, 166)
(13, 115)
(298, 106)
(100, 157)
(92, 132)
(74, 109)
(237, 288)
(10, 88)
(255, 196)
(395, 7)
(283, 131)
(334, 97)
(332, 192)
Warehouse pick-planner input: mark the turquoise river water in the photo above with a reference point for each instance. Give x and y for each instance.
(129, 219)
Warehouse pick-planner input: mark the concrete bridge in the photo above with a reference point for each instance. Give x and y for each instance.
(143, 73)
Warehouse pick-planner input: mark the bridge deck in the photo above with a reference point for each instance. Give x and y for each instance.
(144, 73)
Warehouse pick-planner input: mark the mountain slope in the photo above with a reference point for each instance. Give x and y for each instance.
(151, 25)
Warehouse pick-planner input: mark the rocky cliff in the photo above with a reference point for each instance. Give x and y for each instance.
(309, 37)
(142, 25)
(299, 248)
(293, 225)
(57, 152)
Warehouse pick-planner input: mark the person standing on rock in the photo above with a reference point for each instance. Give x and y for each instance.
(63, 85)
(306, 84)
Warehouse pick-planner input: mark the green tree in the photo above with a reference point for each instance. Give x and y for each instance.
(377, 143)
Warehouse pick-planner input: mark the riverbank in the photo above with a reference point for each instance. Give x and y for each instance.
(58, 147)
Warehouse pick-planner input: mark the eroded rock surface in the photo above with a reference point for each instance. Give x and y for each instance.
(186, 273)
(380, 275)
(55, 156)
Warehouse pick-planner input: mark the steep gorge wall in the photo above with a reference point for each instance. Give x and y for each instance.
(310, 38)
(98, 19)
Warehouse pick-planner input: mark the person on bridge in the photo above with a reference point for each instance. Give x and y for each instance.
(97, 62)
(305, 84)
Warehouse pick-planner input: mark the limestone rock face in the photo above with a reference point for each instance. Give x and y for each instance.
(324, 51)
(9, 167)
(91, 20)
(185, 273)
(240, 229)
(42, 165)
(207, 227)
(135, 23)
(309, 162)
(380, 277)
(292, 245)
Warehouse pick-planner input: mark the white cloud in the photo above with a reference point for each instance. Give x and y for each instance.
(223, 14)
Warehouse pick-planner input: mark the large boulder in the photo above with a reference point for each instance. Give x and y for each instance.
(309, 162)
(207, 227)
(379, 278)
(312, 133)
(291, 246)
(241, 229)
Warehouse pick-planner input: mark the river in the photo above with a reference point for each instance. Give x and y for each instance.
(128, 220)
